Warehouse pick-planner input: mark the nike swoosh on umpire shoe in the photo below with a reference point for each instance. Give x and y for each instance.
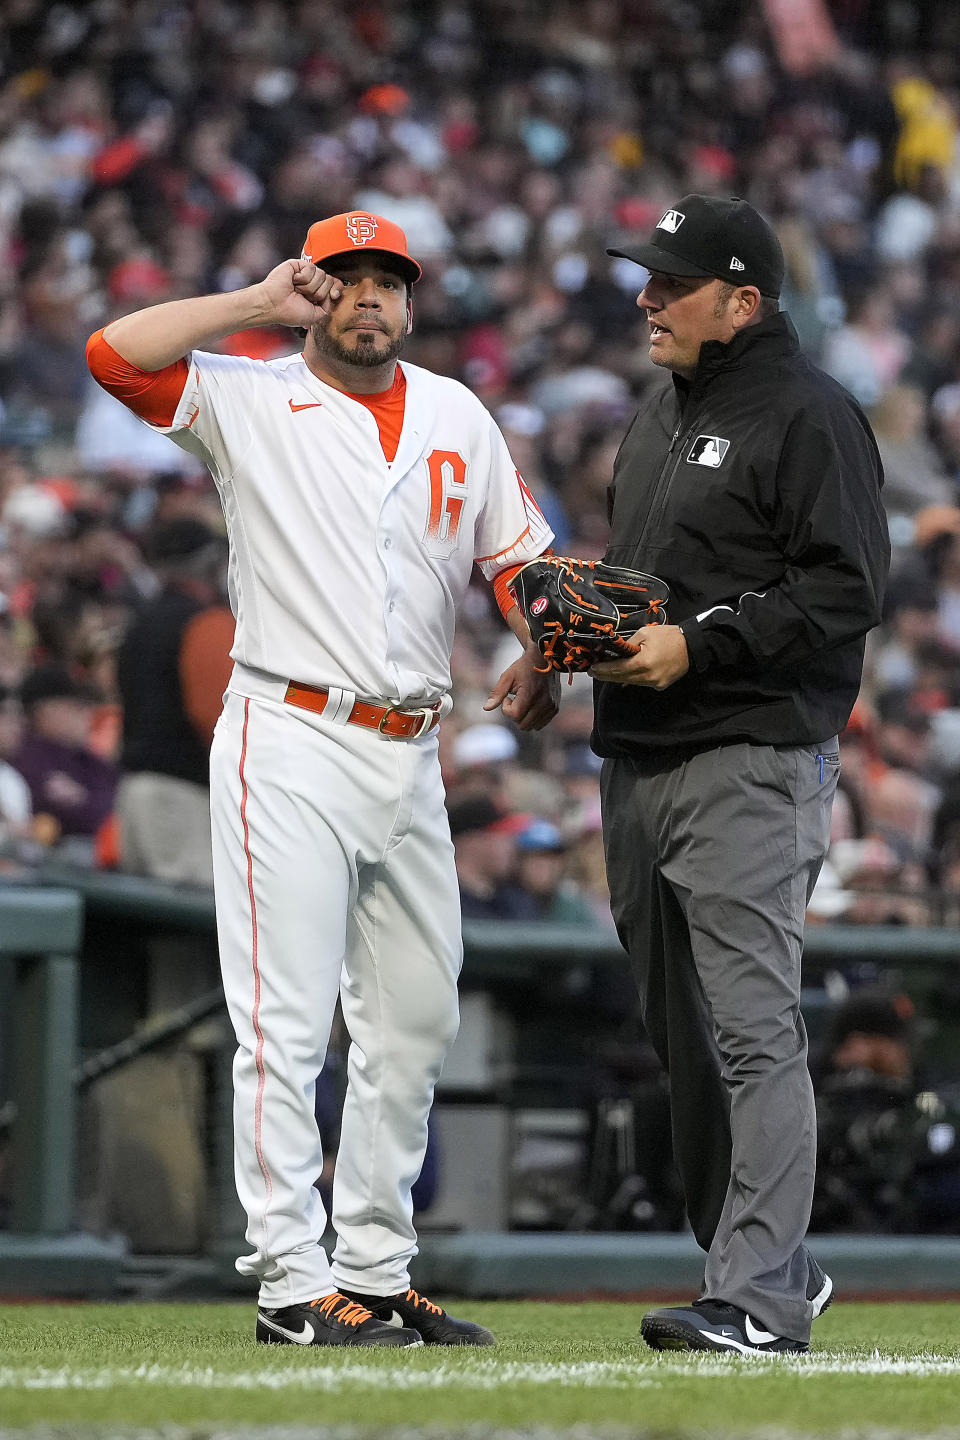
(757, 1336)
(305, 1337)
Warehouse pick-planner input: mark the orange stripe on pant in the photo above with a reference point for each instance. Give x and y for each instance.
(261, 1073)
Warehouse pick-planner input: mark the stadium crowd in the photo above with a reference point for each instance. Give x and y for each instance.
(161, 149)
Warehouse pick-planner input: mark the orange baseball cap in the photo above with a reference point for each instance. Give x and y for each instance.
(357, 230)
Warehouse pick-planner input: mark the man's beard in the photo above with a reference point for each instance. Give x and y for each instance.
(366, 355)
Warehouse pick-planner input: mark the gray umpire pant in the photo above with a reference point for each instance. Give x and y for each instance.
(710, 863)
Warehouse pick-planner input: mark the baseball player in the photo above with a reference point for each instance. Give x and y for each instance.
(358, 492)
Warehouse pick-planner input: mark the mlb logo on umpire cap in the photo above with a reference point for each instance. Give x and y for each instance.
(671, 221)
(708, 450)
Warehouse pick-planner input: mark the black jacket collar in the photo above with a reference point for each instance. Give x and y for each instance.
(771, 339)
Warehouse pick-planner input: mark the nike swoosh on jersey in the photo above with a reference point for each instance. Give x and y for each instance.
(757, 1336)
(305, 1337)
(394, 1319)
(312, 405)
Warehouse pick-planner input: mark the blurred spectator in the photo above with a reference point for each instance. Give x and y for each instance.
(912, 616)
(484, 837)
(829, 902)
(867, 353)
(482, 759)
(543, 872)
(887, 889)
(72, 789)
(914, 475)
(173, 668)
(588, 863)
(888, 1149)
(943, 556)
(16, 804)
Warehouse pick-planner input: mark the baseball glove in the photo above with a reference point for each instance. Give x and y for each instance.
(581, 611)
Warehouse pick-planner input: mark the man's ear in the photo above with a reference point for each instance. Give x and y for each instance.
(746, 306)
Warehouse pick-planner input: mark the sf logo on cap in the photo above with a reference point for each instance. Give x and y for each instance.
(361, 228)
(671, 221)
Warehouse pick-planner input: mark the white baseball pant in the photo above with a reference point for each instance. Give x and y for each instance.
(333, 871)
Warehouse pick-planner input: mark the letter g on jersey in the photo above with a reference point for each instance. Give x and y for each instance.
(447, 470)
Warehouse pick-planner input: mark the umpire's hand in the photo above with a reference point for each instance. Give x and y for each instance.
(662, 659)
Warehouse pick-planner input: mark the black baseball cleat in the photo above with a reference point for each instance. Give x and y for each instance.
(713, 1325)
(415, 1312)
(819, 1289)
(332, 1320)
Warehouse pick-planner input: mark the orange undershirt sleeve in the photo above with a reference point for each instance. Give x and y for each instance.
(152, 394)
(501, 594)
(502, 579)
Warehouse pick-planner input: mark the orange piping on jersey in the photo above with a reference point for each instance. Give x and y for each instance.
(152, 394)
(488, 559)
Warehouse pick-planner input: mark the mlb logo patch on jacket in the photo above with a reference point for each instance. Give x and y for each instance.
(708, 450)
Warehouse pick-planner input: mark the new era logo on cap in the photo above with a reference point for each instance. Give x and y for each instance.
(671, 221)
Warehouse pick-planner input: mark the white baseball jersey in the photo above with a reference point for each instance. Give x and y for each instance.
(346, 570)
(333, 864)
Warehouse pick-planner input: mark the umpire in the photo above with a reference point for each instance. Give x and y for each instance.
(751, 484)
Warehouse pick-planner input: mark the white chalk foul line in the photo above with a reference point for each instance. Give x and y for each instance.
(488, 1374)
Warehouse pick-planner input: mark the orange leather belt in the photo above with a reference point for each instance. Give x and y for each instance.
(387, 719)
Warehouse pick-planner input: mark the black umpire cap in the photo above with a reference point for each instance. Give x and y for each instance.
(715, 239)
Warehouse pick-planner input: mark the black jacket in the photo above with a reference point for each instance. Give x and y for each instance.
(158, 735)
(754, 491)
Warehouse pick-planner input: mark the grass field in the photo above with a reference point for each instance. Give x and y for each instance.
(875, 1370)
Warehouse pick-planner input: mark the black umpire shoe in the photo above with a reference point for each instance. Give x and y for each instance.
(415, 1312)
(713, 1325)
(331, 1320)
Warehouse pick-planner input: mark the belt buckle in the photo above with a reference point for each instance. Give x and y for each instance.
(425, 720)
(388, 711)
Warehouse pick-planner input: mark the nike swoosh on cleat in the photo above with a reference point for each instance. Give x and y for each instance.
(394, 1319)
(757, 1336)
(823, 1297)
(313, 405)
(305, 1336)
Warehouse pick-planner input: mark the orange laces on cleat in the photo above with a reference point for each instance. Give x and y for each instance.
(338, 1307)
(414, 1299)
